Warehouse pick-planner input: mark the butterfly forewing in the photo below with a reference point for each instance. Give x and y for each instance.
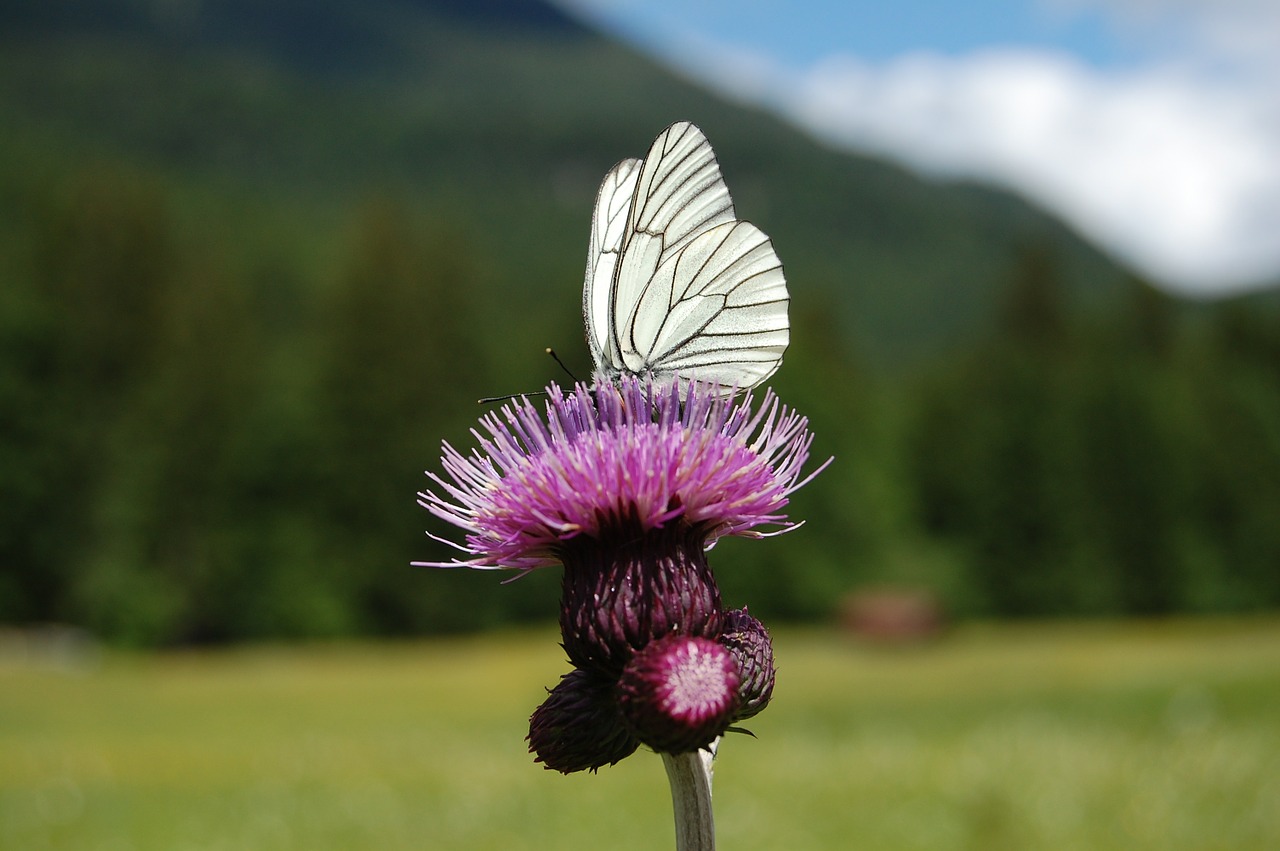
(680, 192)
(681, 286)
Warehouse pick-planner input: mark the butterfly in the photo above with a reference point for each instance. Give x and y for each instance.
(676, 285)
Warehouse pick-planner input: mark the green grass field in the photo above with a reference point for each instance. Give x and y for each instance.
(1067, 736)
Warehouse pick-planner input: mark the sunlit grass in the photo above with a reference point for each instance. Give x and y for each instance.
(1137, 736)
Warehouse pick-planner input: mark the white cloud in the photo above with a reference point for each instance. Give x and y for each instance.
(1240, 34)
(1177, 174)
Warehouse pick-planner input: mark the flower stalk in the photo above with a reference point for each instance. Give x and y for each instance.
(690, 777)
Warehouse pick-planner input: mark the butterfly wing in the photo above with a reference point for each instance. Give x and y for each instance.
(715, 311)
(679, 194)
(609, 226)
(682, 287)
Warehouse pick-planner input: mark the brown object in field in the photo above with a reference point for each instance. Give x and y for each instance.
(893, 614)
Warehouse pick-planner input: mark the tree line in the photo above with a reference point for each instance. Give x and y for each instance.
(199, 449)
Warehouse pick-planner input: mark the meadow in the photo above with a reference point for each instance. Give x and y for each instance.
(1101, 735)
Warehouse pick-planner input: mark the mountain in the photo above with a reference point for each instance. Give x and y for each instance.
(498, 118)
(258, 257)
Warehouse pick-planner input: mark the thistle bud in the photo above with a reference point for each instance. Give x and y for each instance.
(678, 694)
(752, 649)
(579, 726)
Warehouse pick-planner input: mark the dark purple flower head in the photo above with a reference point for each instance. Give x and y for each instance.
(752, 648)
(679, 694)
(579, 726)
(607, 462)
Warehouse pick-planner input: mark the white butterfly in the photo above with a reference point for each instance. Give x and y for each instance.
(675, 284)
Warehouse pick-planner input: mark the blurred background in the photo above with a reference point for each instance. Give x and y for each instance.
(259, 257)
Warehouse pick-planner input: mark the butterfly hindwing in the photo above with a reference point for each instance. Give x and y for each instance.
(716, 311)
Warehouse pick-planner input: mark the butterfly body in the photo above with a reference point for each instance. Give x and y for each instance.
(676, 285)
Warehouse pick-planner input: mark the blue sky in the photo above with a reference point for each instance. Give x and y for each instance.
(1153, 126)
(799, 33)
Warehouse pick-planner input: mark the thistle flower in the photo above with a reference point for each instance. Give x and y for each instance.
(606, 462)
(627, 486)
(678, 693)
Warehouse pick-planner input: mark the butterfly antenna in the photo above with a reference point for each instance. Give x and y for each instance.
(489, 400)
(555, 357)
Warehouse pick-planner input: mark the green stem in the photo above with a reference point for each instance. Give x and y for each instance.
(690, 778)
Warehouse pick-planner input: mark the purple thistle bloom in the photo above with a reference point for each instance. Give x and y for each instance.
(607, 459)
